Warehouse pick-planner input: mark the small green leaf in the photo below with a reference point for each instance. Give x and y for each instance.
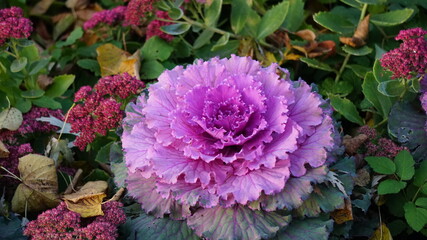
(156, 48)
(404, 165)
(103, 155)
(176, 29)
(381, 102)
(391, 88)
(46, 102)
(416, 217)
(90, 64)
(239, 14)
(221, 42)
(60, 85)
(33, 93)
(334, 22)
(31, 52)
(272, 20)
(392, 18)
(151, 69)
(203, 39)
(212, 12)
(18, 64)
(359, 70)
(390, 186)
(317, 64)
(63, 25)
(175, 13)
(295, 16)
(365, 50)
(346, 108)
(420, 176)
(372, 2)
(39, 65)
(421, 202)
(75, 35)
(381, 165)
(380, 74)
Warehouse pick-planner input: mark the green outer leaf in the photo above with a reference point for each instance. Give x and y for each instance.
(346, 108)
(272, 20)
(238, 222)
(150, 228)
(212, 12)
(404, 165)
(416, 217)
(156, 48)
(239, 14)
(390, 186)
(317, 64)
(392, 18)
(151, 69)
(365, 50)
(60, 85)
(307, 229)
(421, 202)
(176, 29)
(18, 64)
(381, 102)
(381, 165)
(334, 22)
(295, 16)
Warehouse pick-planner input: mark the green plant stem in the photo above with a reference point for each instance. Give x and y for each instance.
(347, 57)
(416, 194)
(213, 29)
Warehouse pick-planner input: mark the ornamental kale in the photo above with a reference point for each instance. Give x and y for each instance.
(220, 134)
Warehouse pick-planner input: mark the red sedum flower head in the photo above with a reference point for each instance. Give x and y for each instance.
(13, 24)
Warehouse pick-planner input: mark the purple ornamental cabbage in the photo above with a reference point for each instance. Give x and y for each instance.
(226, 136)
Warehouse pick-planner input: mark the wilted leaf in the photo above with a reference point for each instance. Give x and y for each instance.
(362, 29)
(41, 7)
(4, 153)
(39, 187)
(306, 34)
(343, 215)
(382, 233)
(10, 119)
(113, 60)
(87, 201)
(352, 144)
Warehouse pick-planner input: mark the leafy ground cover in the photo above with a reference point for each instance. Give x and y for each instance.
(213, 119)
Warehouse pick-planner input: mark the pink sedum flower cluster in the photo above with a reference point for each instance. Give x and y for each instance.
(111, 17)
(153, 28)
(13, 24)
(379, 146)
(99, 109)
(136, 10)
(61, 223)
(410, 59)
(11, 162)
(222, 132)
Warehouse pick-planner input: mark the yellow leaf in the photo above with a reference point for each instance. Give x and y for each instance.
(88, 200)
(39, 187)
(382, 233)
(113, 60)
(10, 119)
(292, 56)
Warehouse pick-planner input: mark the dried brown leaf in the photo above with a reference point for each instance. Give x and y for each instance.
(4, 153)
(88, 200)
(306, 34)
(44, 81)
(352, 144)
(39, 187)
(362, 29)
(41, 7)
(352, 41)
(10, 119)
(113, 60)
(343, 215)
(382, 233)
